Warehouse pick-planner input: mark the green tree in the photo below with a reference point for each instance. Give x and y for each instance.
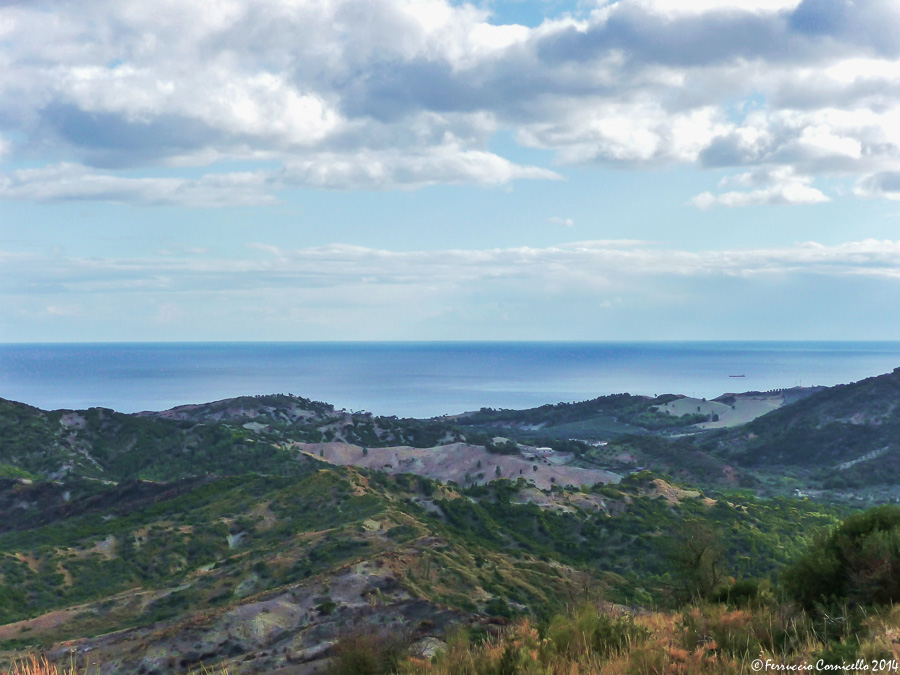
(697, 559)
(858, 562)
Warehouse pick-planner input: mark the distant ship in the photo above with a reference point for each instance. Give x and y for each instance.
(737, 376)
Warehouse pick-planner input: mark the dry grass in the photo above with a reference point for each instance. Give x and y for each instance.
(707, 639)
(39, 665)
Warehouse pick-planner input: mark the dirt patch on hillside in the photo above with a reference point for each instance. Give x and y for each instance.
(32, 562)
(566, 502)
(460, 462)
(671, 493)
(731, 410)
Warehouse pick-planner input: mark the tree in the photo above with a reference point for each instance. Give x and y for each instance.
(858, 562)
(698, 560)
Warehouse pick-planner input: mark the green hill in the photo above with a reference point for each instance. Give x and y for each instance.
(269, 568)
(223, 438)
(848, 435)
(599, 418)
(203, 532)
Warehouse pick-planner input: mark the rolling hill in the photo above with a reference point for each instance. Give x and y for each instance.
(842, 436)
(230, 530)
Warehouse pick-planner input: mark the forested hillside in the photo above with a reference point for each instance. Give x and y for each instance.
(845, 436)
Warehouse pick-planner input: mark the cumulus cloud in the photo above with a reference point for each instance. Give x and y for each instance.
(349, 94)
(565, 222)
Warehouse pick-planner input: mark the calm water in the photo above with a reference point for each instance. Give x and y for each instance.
(420, 379)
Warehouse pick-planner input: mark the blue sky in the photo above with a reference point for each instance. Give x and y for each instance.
(421, 169)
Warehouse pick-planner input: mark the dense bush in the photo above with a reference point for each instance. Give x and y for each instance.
(591, 632)
(368, 651)
(859, 562)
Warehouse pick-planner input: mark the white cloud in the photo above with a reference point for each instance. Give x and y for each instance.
(69, 182)
(617, 289)
(776, 186)
(598, 265)
(674, 7)
(65, 310)
(885, 185)
(641, 132)
(347, 94)
(565, 222)
(391, 169)
(377, 170)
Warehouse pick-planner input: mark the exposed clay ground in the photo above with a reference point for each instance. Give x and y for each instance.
(460, 462)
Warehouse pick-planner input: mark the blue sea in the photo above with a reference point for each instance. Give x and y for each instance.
(420, 379)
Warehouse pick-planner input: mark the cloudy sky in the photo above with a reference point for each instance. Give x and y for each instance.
(425, 169)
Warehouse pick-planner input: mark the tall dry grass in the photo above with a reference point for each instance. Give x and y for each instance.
(39, 665)
(704, 639)
(33, 664)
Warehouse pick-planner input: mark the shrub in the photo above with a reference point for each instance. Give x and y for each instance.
(591, 632)
(858, 562)
(742, 593)
(368, 651)
(744, 634)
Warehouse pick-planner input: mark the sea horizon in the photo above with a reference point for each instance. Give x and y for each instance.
(422, 378)
(444, 341)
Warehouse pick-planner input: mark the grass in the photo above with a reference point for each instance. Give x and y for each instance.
(33, 664)
(38, 665)
(604, 639)
(708, 638)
